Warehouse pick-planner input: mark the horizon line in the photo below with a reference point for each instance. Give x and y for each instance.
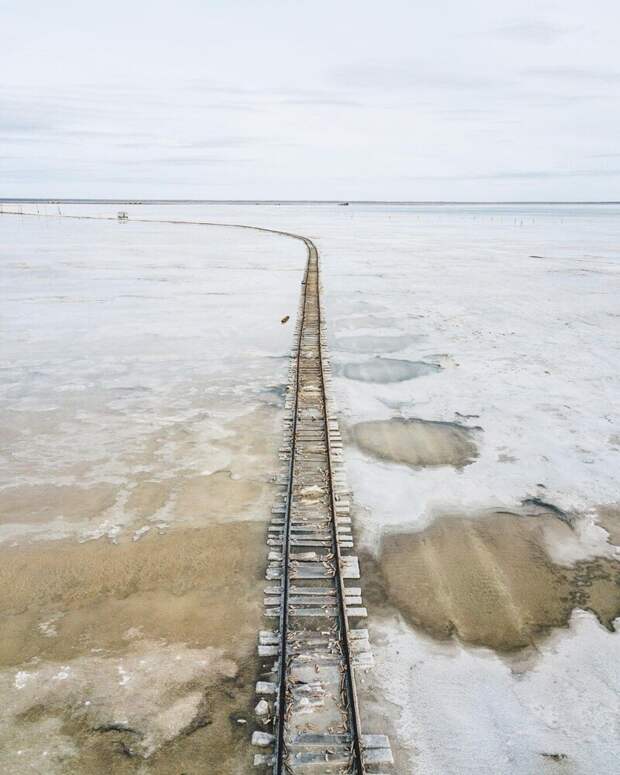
(143, 201)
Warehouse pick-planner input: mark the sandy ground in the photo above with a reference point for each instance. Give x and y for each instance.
(117, 654)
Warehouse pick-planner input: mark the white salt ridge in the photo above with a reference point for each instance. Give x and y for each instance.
(21, 679)
(48, 627)
(140, 532)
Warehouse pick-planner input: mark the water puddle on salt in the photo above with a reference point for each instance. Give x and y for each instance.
(416, 442)
(386, 370)
(489, 580)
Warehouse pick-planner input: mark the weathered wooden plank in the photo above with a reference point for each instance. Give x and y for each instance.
(378, 756)
(375, 741)
(357, 611)
(295, 590)
(268, 651)
(268, 637)
(266, 687)
(311, 599)
(326, 612)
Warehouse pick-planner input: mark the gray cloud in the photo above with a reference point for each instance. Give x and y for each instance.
(533, 31)
(318, 102)
(408, 75)
(188, 160)
(526, 175)
(348, 109)
(572, 74)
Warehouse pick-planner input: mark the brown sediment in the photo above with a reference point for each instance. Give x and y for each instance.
(186, 603)
(216, 496)
(188, 727)
(36, 503)
(177, 586)
(416, 442)
(489, 580)
(190, 594)
(146, 498)
(609, 519)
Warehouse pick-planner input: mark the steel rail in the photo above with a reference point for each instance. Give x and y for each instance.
(356, 726)
(279, 748)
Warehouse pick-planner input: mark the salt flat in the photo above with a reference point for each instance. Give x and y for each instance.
(513, 313)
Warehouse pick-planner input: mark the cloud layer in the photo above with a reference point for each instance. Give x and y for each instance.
(272, 100)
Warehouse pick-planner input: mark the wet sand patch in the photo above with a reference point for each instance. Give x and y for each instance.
(609, 519)
(490, 581)
(146, 498)
(416, 442)
(105, 588)
(216, 496)
(386, 370)
(37, 503)
(157, 635)
(153, 691)
(153, 723)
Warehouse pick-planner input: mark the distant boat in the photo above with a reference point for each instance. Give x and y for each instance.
(122, 215)
(344, 204)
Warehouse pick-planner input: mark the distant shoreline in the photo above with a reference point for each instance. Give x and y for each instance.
(18, 200)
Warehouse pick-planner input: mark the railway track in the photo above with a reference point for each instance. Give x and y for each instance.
(308, 705)
(309, 698)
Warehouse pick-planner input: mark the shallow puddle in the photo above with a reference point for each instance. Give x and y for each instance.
(490, 580)
(417, 442)
(386, 370)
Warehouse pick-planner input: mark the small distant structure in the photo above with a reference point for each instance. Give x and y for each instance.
(122, 215)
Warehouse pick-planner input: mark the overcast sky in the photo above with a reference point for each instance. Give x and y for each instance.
(333, 99)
